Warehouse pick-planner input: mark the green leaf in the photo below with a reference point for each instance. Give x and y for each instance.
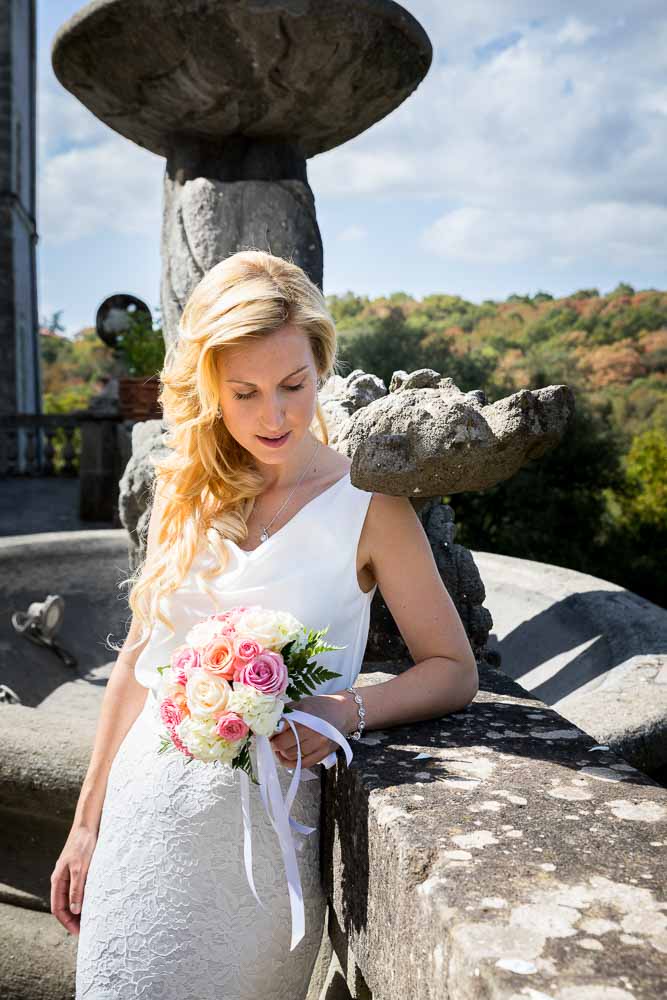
(244, 762)
(307, 679)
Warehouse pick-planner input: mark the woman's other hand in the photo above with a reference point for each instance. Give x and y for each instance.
(333, 708)
(69, 877)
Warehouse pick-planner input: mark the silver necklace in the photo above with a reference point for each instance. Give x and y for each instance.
(265, 528)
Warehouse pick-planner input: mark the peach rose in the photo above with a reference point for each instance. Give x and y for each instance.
(176, 694)
(218, 657)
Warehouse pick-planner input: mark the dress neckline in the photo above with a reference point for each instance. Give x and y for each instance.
(264, 546)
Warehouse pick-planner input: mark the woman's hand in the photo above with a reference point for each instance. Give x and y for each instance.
(333, 708)
(69, 877)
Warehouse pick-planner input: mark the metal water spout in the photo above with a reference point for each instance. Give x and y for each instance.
(40, 624)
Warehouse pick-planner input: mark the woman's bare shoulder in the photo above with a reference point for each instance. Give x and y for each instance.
(333, 465)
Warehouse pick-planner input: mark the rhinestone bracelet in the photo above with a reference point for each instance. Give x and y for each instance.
(356, 735)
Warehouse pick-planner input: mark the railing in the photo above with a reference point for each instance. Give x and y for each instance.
(81, 444)
(41, 444)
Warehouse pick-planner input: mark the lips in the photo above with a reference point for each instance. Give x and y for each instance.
(277, 438)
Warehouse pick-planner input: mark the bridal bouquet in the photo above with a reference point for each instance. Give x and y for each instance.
(228, 685)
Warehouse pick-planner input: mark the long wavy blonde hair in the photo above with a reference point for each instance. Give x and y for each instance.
(206, 474)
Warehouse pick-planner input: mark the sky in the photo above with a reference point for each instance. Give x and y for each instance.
(531, 158)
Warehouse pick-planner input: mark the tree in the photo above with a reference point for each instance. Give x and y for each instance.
(645, 498)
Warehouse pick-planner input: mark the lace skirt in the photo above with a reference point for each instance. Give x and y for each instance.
(167, 911)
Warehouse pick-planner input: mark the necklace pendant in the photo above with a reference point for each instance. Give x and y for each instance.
(264, 535)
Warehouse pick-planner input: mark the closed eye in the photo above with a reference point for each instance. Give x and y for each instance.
(291, 388)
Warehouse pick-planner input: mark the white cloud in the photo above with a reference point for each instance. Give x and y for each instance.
(357, 171)
(575, 32)
(62, 122)
(533, 147)
(111, 187)
(603, 233)
(655, 102)
(91, 180)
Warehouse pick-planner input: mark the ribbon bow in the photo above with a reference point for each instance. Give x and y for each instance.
(278, 809)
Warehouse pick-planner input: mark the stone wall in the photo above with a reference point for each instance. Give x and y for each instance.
(7, 386)
(495, 852)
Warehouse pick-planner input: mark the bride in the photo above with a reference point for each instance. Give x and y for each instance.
(250, 505)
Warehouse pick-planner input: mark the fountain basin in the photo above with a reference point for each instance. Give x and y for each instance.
(592, 650)
(84, 568)
(308, 73)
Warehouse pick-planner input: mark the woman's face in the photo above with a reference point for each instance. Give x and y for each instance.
(268, 387)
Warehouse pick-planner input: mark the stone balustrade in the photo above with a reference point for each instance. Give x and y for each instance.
(82, 443)
(29, 444)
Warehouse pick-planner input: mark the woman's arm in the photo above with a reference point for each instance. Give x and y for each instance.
(444, 677)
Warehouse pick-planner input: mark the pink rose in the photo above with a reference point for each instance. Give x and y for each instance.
(230, 615)
(180, 745)
(224, 616)
(183, 660)
(231, 727)
(218, 657)
(267, 672)
(171, 716)
(246, 650)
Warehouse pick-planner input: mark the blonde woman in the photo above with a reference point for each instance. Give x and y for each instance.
(250, 506)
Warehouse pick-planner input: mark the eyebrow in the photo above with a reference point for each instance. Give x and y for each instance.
(243, 382)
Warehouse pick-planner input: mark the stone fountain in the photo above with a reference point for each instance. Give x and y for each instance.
(236, 97)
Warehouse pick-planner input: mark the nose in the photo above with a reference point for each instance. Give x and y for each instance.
(273, 415)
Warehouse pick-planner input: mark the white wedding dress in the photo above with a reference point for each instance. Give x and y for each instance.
(167, 911)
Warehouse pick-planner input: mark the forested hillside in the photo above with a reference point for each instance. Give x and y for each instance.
(614, 347)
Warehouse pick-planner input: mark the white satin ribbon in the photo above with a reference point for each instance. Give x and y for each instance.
(278, 809)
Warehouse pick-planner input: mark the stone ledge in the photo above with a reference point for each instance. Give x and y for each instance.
(593, 650)
(37, 958)
(44, 761)
(508, 859)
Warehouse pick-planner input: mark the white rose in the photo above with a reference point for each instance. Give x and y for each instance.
(207, 694)
(271, 629)
(201, 634)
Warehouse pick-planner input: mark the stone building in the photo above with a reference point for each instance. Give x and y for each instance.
(19, 373)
